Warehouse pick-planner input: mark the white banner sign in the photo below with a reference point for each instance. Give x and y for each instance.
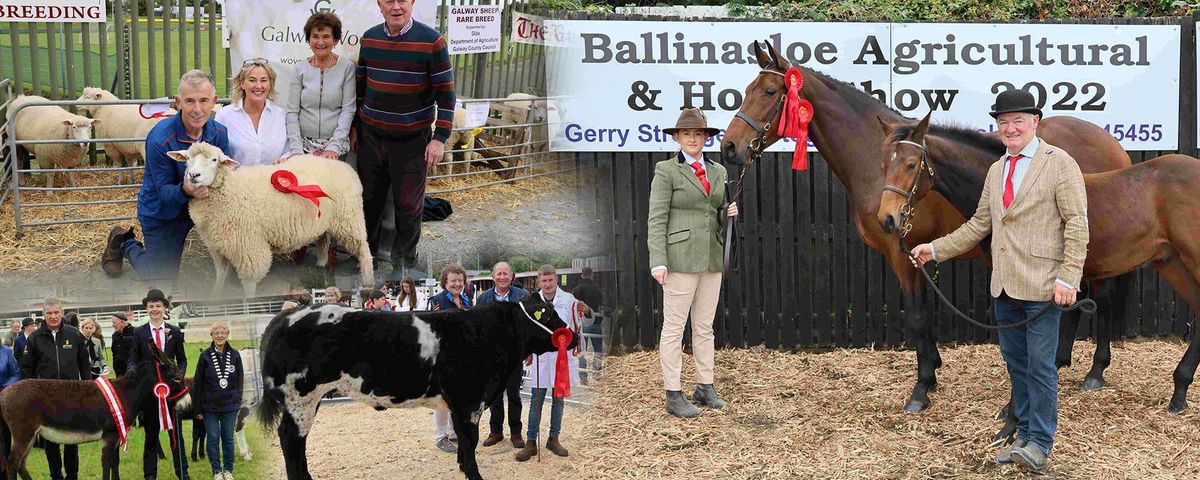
(274, 30)
(473, 29)
(627, 80)
(52, 11)
(528, 28)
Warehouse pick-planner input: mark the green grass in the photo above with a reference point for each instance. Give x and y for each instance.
(162, 84)
(265, 456)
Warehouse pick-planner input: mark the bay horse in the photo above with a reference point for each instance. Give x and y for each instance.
(72, 412)
(1143, 214)
(843, 129)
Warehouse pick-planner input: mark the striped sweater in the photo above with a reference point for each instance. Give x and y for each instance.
(405, 83)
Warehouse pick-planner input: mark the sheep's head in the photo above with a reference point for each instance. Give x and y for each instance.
(93, 94)
(79, 128)
(203, 161)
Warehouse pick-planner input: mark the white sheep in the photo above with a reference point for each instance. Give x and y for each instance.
(543, 113)
(50, 122)
(460, 140)
(245, 219)
(120, 121)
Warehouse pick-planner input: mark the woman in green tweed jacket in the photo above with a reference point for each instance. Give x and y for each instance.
(687, 209)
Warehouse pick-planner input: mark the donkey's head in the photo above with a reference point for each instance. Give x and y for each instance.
(156, 368)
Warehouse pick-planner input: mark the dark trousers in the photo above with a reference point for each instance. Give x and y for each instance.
(158, 258)
(149, 419)
(512, 390)
(68, 459)
(396, 164)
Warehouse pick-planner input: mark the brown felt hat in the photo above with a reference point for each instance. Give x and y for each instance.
(692, 118)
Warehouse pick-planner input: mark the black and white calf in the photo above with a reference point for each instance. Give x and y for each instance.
(459, 360)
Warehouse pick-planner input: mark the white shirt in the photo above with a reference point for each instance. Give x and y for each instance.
(251, 147)
(1022, 165)
(543, 376)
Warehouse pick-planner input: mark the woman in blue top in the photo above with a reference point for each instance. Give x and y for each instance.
(217, 391)
(453, 280)
(10, 373)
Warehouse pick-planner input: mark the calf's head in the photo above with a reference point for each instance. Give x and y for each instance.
(533, 312)
(203, 161)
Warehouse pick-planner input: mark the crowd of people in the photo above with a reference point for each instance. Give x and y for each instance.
(54, 348)
(395, 120)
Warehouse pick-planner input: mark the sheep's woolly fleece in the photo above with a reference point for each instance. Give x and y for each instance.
(45, 123)
(838, 415)
(244, 222)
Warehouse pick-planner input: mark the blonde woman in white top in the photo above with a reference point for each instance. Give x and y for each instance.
(257, 126)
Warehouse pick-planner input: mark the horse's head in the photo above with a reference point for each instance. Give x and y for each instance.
(905, 161)
(755, 126)
(149, 369)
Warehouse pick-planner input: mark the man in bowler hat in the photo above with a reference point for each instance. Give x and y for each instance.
(1034, 207)
(169, 339)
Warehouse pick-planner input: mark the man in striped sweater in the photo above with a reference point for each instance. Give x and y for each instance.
(405, 85)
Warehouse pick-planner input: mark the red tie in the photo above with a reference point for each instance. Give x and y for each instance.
(158, 337)
(699, 169)
(1008, 185)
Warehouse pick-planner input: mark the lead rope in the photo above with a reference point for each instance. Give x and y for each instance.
(1087, 305)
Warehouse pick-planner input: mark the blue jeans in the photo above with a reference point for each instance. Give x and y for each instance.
(1029, 353)
(218, 426)
(596, 349)
(535, 414)
(159, 258)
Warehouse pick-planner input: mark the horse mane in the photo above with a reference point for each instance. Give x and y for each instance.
(855, 93)
(954, 133)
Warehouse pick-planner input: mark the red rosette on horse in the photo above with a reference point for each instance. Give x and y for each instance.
(793, 121)
(562, 375)
(286, 182)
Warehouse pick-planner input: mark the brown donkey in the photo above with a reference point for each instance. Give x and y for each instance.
(1147, 213)
(845, 131)
(75, 411)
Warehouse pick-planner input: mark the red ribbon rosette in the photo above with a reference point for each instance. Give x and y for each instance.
(285, 181)
(793, 121)
(562, 376)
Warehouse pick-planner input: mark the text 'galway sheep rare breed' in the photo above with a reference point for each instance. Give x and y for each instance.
(246, 217)
(459, 360)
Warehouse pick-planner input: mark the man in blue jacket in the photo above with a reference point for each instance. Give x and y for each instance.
(162, 201)
(505, 291)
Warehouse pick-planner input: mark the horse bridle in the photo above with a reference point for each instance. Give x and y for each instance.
(756, 151)
(756, 144)
(908, 210)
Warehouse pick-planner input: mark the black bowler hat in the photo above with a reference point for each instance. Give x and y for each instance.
(156, 295)
(1015, 100)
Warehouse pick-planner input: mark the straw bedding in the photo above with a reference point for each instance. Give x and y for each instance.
(76, 247)
(838, 415)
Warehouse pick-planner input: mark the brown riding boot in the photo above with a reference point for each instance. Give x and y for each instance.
(553, 446)
(112, 259)
(528, 452)
(517, 440)
(493, 439)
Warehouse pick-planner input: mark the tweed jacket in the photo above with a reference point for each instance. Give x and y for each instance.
(1041, 237)
(684, 223)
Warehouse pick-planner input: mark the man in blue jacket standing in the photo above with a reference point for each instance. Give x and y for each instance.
(505, 291)
(162, 201)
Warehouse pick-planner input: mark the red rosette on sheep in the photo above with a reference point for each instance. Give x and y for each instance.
(286, 182)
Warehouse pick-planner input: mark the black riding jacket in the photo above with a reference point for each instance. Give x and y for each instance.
(61, 358)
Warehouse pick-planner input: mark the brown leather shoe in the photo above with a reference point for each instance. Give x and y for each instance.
(528, 452)
(112, 259)
(493, 439)
(517, 440)
(553, 446)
